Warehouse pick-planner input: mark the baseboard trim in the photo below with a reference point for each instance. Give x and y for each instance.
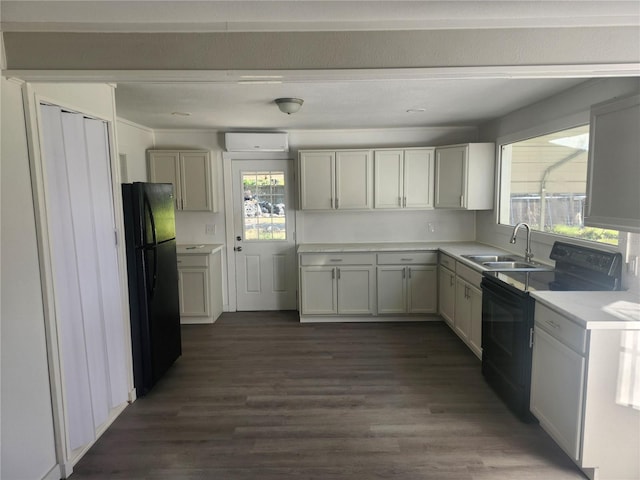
(367, 318)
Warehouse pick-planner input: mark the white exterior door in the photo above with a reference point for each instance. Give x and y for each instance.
(264, 235)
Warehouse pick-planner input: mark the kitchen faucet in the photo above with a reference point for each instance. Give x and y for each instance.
(528, 254)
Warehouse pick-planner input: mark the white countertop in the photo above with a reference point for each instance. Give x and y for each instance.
(595, 310)
(199, 249)
(455, 249)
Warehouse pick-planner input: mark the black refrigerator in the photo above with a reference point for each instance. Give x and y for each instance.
(152, 268)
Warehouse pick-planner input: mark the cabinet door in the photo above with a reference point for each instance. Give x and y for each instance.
(355, 293)
(317, 180)
(353, 180)
(388, 167)
(392, 293)
(318, 291)
(447, 294)
(557, 386)
(451, 164)
(418, 178)
(164, 167)
(195, 181)
(613, 195)
(422, 283)
(462, 320)
(193, 287)
(475, 310)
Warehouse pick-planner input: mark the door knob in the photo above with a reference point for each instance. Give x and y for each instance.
(238, 249)
(239, 238)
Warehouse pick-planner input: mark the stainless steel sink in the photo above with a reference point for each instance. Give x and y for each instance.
(506, 262)
(493, 258)
(509, 265)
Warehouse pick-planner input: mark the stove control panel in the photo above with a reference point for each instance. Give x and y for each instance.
(571, 257)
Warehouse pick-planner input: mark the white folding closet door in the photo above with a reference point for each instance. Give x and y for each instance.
(75, 370)
(87, 255)
(86, 281)
(97, 139)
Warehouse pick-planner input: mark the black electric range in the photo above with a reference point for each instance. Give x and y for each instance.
(508, 310)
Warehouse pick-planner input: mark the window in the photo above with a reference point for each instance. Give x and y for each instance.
(264, 209)
(543, 183)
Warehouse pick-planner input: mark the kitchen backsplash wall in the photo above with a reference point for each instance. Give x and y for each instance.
(376, 226)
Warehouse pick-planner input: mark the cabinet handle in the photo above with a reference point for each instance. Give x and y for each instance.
(405, 201)
(451, 280)
(337, 203)
(409, 269)
(333, 274)
(531, 338)
(553, 324)
(399, 201)
(406, 259)
(338, 273)
(462, 200)
(335, 259)
(404, 274)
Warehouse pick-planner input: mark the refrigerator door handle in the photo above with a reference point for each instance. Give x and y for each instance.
(154, 278)
(147, 206)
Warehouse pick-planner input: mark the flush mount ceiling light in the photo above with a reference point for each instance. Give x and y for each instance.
(289, 105)
(416, 110)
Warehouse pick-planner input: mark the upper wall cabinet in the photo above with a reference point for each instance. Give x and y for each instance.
(403, 178)
(613, 196)
(335, 180)
(465, 176)
(190, 173)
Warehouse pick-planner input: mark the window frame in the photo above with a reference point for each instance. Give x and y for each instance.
(544, 128)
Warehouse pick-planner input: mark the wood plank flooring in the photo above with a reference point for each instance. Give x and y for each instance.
(261, 396)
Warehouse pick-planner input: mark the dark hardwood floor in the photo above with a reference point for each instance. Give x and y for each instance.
(261, 396)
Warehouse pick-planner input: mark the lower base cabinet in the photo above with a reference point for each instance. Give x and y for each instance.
(354, 286)
(200, 287)
(347, 289)
(460, 301)
(580, 384)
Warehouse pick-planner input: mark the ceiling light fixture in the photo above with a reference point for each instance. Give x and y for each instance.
(416, 110)
(289, 105)
(181, 114)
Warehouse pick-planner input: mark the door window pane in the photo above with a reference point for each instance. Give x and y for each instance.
(264, 208)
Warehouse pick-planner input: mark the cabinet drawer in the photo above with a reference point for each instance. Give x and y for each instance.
(469, 274)
(193, 261)
(447, 261)
(337, 259)
(561, 328)
(408, 258)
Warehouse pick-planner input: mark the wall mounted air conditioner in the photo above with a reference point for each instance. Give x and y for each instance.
(256, 142)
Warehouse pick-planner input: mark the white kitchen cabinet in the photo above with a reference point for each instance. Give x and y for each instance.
(337, 284)
(613, 196)
(200, 285)
(407, 283)
(403, 178)
(468, 315)
(190, 174)
(578, 392)
(460, 301)
(464, 176)
(447, 294)
(335, 180)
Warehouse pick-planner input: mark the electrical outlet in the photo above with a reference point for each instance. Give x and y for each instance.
(210, 229)
(431, 227)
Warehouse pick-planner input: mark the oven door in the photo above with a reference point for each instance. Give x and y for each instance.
(507, 327)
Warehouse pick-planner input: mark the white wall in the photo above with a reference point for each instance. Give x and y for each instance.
(133, 142)
(564, 110)
(28, 446)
